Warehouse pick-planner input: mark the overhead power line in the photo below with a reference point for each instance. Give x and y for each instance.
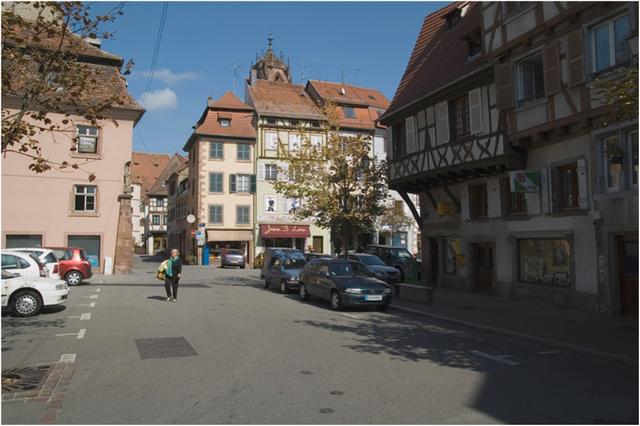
(154, 62)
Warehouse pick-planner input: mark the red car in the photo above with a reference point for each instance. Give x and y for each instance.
(73, 264)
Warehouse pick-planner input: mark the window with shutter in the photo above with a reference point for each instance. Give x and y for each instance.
(283, 173)
(552, 74)
(442, 122)
(410, 134)
(504, 85)
(475, 111)
(261, 172)
(271, 141)
(459, 112)
(232, 183)
(583, 184)
(567, 187)
(575, 54)
(253, 184)
(399, 140)
(530, 78)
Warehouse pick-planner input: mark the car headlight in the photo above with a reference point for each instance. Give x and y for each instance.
(293, 278)
(353, 290)
(387, 290)
(61, 286)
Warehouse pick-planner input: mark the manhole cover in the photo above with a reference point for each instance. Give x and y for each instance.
(164, 347)
(337, 393)
(24, 378)
(327, 410)
(468, 307)
(306, 372)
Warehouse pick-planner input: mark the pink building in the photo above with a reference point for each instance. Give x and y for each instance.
(63, 207)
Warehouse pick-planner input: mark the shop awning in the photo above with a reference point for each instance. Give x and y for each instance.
(229, 235)
(284, 231)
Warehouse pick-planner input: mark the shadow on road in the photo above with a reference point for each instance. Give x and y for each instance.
(160, 298)
(14, 328)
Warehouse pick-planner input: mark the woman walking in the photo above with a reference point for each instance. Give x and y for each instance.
(174, 269)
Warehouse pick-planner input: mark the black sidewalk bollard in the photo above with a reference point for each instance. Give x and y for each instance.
(396, 290)
(429, 295)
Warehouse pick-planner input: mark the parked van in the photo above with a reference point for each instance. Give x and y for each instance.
(399, 258)
(281, 267)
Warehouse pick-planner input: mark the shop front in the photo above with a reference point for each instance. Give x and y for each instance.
(219, 240)
(277, 235)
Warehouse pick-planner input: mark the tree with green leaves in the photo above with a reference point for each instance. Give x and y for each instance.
(620, 94)
(394, 220)
(338, 184)
(45, 69)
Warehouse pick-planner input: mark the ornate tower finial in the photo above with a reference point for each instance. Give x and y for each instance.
(270, 48)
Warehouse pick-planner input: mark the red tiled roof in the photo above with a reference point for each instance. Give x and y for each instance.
(277, 99)
(347, 94)
(146, 167)
(439, 56)
(159, 187)
(240, 125)
(229, 101)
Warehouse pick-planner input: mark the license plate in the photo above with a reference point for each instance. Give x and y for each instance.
(373, 298)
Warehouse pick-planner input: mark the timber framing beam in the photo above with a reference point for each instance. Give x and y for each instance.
(412, 206)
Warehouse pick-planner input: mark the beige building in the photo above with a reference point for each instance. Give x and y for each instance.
(222, 180)
(65, 208)
(178, 229)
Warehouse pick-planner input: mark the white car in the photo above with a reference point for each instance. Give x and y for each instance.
(23, 264)
(25, 296)
(46, 256)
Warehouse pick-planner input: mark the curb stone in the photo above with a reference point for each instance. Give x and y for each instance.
(629, 362)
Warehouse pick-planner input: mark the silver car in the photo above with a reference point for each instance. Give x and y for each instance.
(232, 257)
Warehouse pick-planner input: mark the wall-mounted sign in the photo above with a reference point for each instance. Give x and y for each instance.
(191, 218)
(525, 181)
(446, 209)
(284, 231)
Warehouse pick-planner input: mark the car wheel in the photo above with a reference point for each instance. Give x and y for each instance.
(26, 304)
(73, 278)
(284, 289)
(382, 308)
(303, 292)
(265, 283)
(336, 303)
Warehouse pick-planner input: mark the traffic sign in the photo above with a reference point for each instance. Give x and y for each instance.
(191, 218)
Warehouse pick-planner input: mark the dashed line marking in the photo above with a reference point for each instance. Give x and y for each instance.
(351, 315)
(97, 289)
(93, 296)
(498, 358)
(91, 305)
(81, 333)
(68, 358)
(84, 317)
(66, 334)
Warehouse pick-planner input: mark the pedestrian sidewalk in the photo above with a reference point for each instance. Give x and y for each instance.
(608, 337)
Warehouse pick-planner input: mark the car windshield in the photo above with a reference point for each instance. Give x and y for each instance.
(62, 254)
(234, 252)
(401, 253)
(348, 269)
(371, 260)
(292, 262)
(50, 258)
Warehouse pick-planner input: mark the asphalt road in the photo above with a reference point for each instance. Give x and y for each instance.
(262, 357)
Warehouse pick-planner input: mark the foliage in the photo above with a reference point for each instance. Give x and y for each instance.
(393, 220)
(42, 68)
(338, 183)
(620, 93)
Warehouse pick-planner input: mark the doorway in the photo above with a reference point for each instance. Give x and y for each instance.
(483, 273)
(434, 262)
(628, 273)
(318, 244)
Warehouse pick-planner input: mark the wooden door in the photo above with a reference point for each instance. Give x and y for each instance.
(483, 260)
(628, 272)
(318, 244)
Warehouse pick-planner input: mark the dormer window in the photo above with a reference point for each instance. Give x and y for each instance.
(473, 46)
(349, 112)
(225, 122)
(453, 19)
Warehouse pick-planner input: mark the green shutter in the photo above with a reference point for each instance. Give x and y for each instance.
(253, 184)
(232, 183)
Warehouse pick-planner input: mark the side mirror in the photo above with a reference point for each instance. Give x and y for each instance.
(326, 274)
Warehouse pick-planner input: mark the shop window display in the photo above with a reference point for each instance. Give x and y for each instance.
(545, 261)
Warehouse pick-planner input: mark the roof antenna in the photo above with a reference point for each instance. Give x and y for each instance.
(342, 77)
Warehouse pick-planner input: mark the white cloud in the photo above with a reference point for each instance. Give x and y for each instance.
(159, 99)
(169, 77)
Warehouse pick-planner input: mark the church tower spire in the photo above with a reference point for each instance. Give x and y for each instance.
(270, 67)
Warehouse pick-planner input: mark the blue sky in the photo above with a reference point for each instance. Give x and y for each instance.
(202, 40)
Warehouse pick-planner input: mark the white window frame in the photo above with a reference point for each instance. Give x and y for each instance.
(612, 42)
(316, 141)
(271, 141)
(520, 78)
(209, 219)
(88, 136)
(225, 122)
(240, 147)
(86, 195)
(244, 179)
(272, 176)
(248, 222)
(211, 145)
(295, 141)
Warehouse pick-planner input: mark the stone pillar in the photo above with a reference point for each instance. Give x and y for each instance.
(123, 262)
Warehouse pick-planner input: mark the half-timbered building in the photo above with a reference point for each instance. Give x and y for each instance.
(578, 243)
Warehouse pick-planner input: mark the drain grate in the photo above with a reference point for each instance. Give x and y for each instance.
(164, 347)
(22, 379)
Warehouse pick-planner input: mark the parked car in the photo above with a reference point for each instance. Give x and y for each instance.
(46, 256)
(281, 267)
(380, 270)
(73, 264)
(26, 296)
(311, 256)
(232, 257)
(395, 256)
(343, 283)
(23, 264)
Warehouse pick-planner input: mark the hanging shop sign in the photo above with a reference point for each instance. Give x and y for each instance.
(524, 181)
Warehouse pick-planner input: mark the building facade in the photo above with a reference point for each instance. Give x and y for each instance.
(178, 229)
(222, 177)
(145, 170)
(504, 147)
(65, 207)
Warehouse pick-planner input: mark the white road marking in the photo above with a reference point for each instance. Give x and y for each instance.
(351, 315)
(81, 333)
(97, 289)
(93, 296)
(67, 358)
(91, 305)
(67, 334)
(548, 352)
(499, 358)
(85, 317)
